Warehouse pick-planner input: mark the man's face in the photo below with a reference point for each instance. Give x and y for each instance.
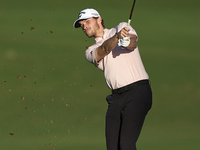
(90, 26)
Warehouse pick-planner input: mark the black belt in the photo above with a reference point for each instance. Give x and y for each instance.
(130, 87)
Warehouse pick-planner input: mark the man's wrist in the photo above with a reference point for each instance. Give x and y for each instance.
(117, 36)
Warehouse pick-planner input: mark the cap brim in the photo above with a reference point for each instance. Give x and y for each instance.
(76, 23)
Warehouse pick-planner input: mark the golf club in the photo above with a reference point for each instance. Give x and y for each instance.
(129, 20)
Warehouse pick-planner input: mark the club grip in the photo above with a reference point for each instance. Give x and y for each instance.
(129, 22)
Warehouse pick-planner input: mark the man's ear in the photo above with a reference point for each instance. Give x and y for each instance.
(99, 20)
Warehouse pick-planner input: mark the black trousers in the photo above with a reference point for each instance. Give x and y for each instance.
(125, 117)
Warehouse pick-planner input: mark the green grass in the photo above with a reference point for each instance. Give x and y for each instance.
(52, 98)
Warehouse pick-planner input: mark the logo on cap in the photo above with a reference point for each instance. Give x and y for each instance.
(81, 13)
(94, 14)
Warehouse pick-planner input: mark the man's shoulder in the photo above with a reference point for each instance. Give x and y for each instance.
(123, 24)
(120, 26)
(110, 32)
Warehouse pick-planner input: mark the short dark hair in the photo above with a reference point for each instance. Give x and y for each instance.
(101, 22)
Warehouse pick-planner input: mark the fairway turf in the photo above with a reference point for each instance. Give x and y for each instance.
(52, 98)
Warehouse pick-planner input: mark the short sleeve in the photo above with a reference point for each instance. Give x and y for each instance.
(90, 56)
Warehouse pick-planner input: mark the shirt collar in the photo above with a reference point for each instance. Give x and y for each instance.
(99, 39)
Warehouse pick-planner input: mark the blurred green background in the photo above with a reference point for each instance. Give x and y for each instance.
(53, 99)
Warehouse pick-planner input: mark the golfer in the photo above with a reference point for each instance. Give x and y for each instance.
(116, 53)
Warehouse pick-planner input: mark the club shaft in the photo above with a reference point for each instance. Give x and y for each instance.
(129, 20)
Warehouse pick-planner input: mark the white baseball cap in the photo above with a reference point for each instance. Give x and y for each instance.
(85, 14)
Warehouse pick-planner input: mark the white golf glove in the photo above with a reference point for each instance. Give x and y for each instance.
(125, 41)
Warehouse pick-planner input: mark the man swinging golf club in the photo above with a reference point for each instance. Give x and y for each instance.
(116, 53)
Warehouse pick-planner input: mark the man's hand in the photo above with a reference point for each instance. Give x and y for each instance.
(125, 41)
(123, 33)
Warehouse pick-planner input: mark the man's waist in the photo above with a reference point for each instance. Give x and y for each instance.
(130, 86)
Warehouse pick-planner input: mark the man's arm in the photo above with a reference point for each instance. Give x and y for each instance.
(110, 44)
(106, 47)
(133, 42)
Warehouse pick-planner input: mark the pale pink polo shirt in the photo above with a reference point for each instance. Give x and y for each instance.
(121, 66)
